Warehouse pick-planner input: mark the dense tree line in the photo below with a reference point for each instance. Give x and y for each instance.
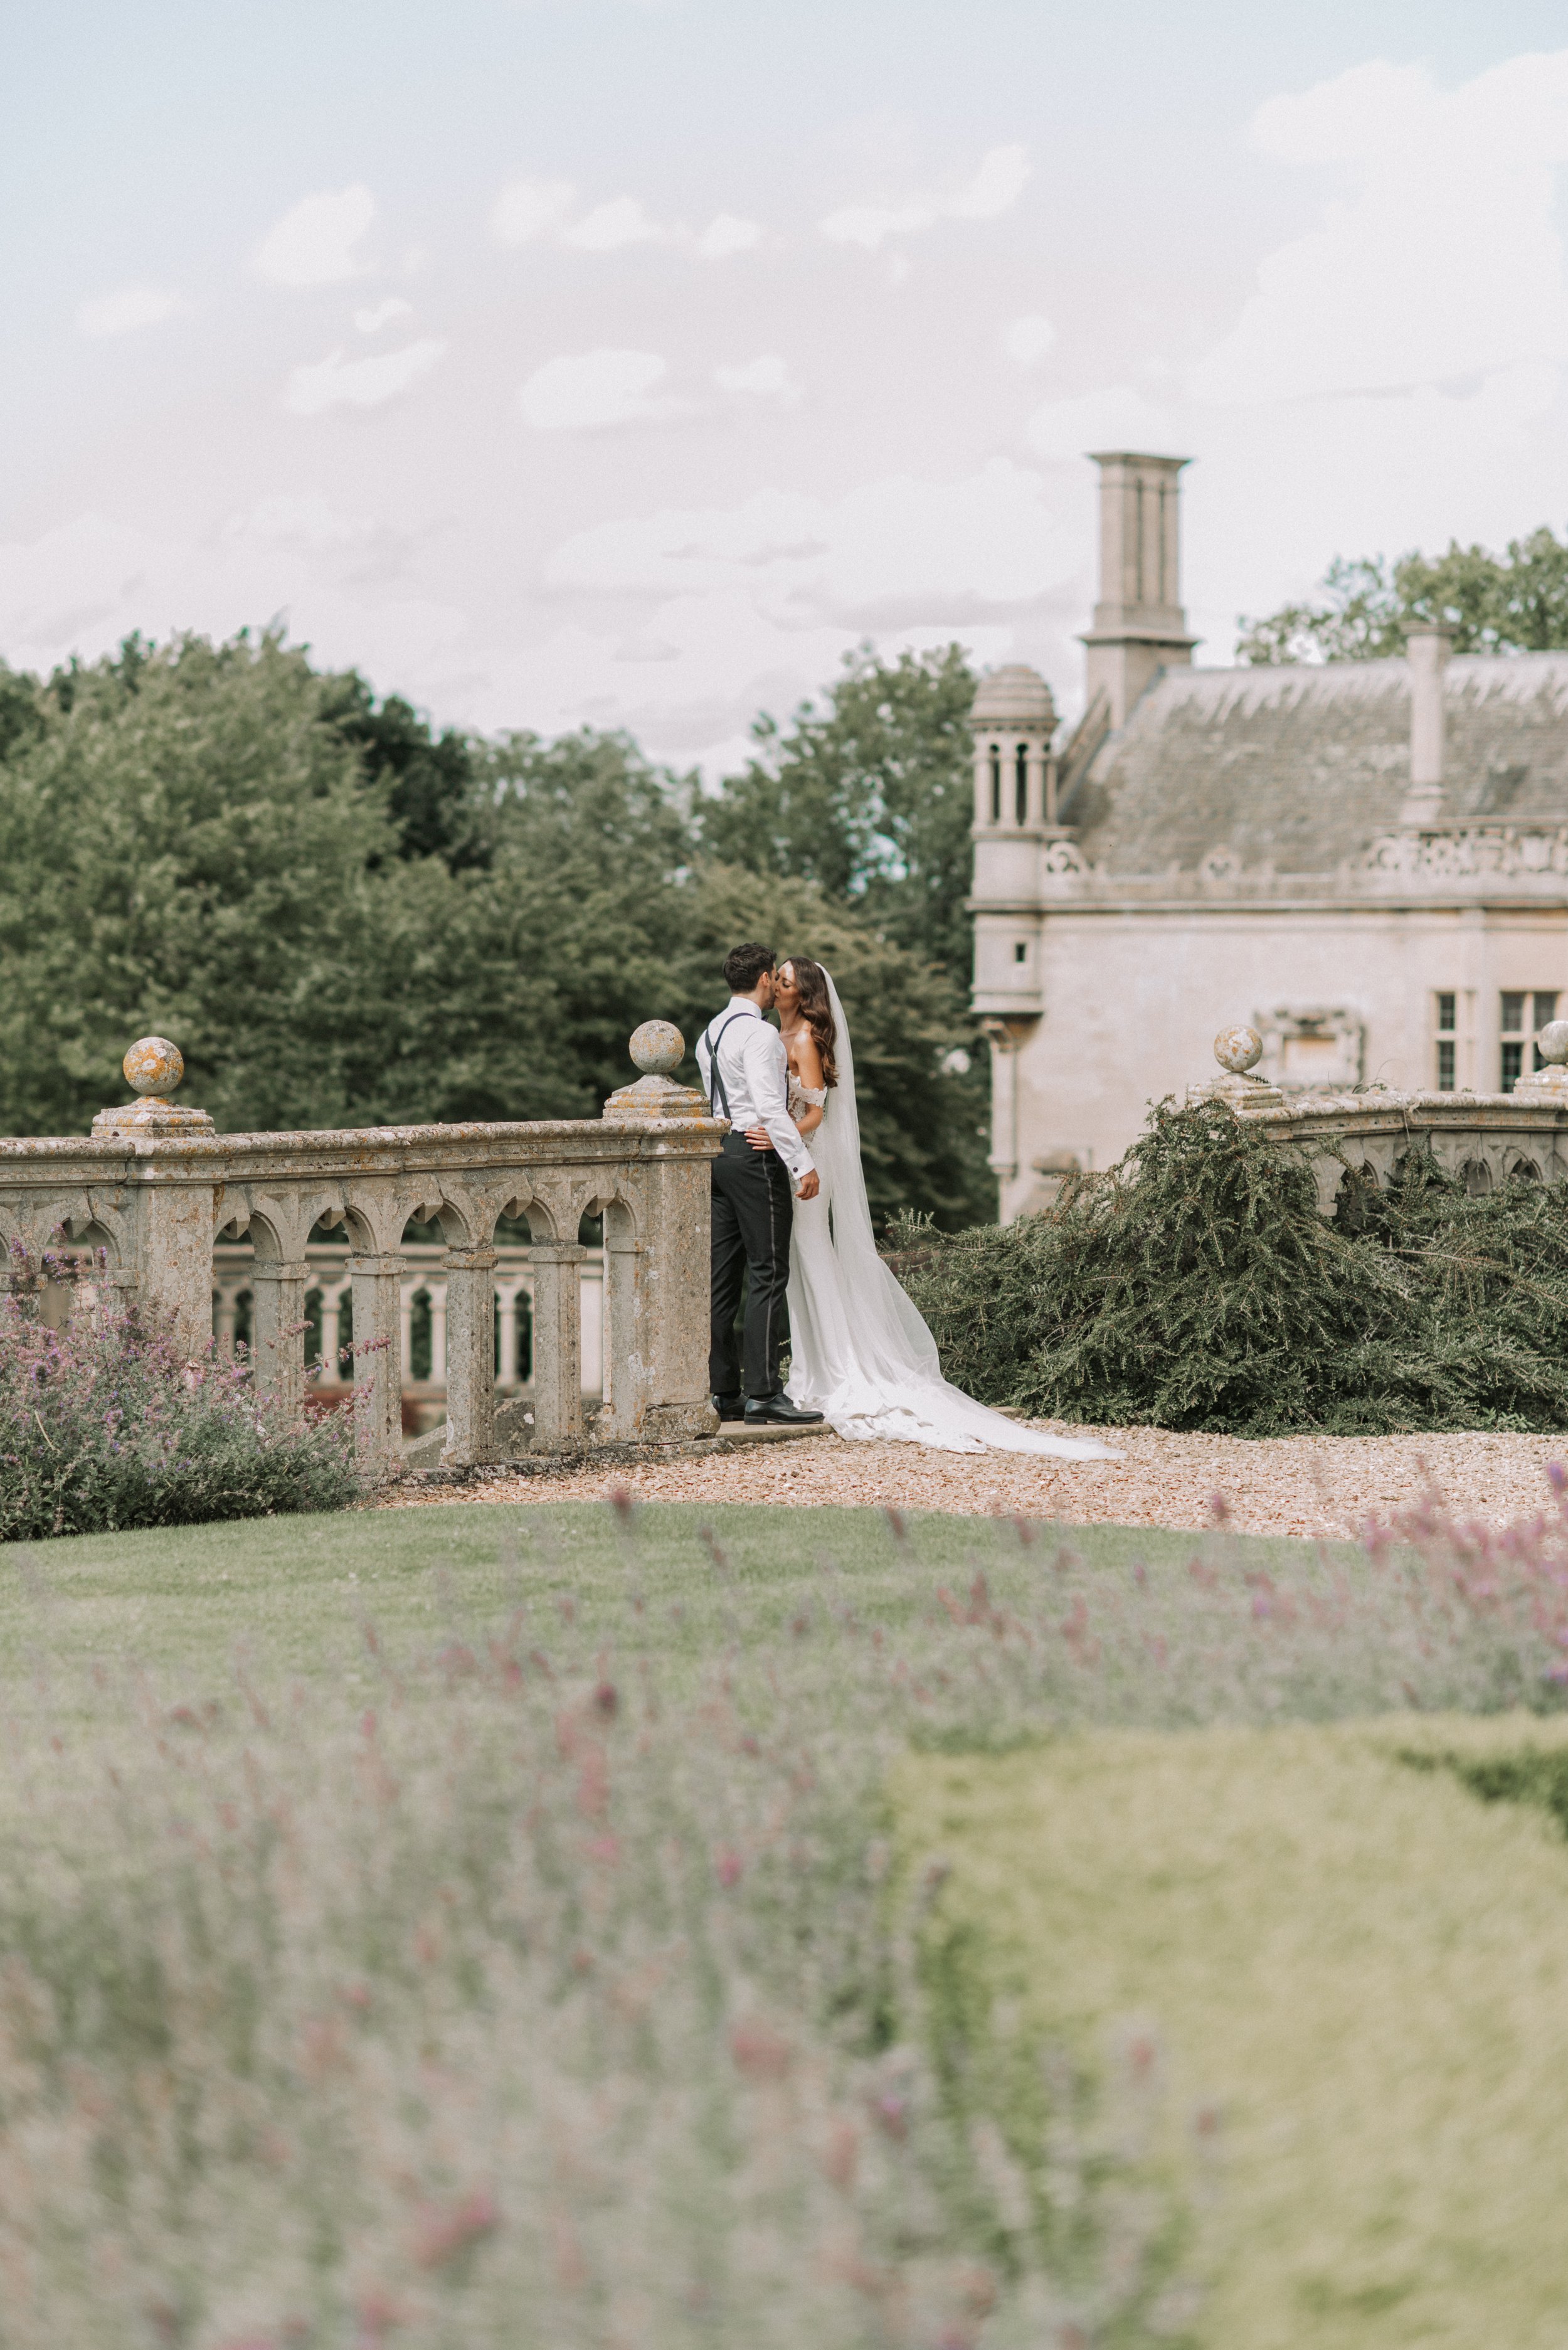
(346, 918)
(1366, 609)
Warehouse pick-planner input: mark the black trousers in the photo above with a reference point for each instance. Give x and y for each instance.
(753, 1207)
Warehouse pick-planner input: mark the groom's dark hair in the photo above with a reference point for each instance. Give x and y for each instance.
(743, 966)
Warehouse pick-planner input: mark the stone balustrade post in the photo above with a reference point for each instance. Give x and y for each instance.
(278, 1332)
(377, 1370)
(558, 1347)
(470, 1356)
(658, 1348)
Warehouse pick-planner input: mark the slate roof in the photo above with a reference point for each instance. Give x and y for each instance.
(1300, 768)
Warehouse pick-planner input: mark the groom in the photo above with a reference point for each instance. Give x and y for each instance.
(745, 1071)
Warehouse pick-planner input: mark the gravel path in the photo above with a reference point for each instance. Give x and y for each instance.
(1280, 1485)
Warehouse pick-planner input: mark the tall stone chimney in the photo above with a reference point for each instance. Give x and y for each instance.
(1140, 625)
(1426, 655)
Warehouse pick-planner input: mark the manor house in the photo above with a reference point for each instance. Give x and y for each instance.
(1367, 861)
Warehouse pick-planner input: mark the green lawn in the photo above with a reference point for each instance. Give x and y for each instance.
(1357, 1974)
(297, 1588)
(447, 1869)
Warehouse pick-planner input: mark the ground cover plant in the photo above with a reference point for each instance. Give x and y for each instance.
(104, 1424)
(463, 1926)
(1348, 1979)
(1195, 1286)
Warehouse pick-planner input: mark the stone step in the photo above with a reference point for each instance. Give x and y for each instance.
(741, 1432)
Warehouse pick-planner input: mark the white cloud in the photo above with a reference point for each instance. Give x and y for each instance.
(381, 314)
(581, 392)
(315, 243)
(610, 226)
(122, 312)
(726, 233)
(1439, 261)
(1118, 418)
(951, 547)
(767, 376)
(528, 209)
(1027, 341)
(993, 188)
(308, 522)
(340, 382)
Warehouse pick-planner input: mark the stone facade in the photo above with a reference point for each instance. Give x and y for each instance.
(1366, 862)
(154, 1189)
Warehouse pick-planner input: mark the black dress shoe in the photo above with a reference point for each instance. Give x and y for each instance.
(728, 1407)
(777, 1412)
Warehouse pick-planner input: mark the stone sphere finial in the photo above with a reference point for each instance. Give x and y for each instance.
(1238, 1048)
(1551, 1043)
(658, 1048)
(153, 1066)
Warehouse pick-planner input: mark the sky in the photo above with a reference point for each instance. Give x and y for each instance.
(625, 363)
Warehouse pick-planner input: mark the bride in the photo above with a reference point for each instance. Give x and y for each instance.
(859, 1352)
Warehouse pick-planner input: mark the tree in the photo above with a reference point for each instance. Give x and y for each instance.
(431, 781)
(868, 794)
(1516, 602)
(195, 841)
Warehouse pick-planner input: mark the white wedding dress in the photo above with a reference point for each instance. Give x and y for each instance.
(859, 1352)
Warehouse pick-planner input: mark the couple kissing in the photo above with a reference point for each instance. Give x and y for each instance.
(791, 1219)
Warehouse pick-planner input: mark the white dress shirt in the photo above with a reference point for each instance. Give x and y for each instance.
(754, 1066)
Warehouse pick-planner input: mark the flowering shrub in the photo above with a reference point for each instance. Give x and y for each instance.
(104, 1426)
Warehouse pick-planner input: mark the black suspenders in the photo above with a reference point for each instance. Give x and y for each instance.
(718, 1091)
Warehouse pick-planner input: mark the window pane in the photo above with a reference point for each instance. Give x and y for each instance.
(1020, 951)
(1446, 1066)
(995, 784)
(1545, 1008)
(1512, 1015)
(1512, 1062)
(1446, 1019)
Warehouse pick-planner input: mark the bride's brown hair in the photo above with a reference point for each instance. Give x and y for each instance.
(815, 1011)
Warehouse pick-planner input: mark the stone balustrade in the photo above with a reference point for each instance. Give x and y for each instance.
(330, 1312)
(1483, 1139)
(154, 1188)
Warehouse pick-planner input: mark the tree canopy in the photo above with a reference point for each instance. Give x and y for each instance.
(1366, 609)
(867, 792)
(345, 919)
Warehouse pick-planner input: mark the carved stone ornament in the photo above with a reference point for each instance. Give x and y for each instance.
(1311, 1047)
(154, 1067)
(656, 1048)
(1238, 1050)
(1470, 854)
(1551, 1080)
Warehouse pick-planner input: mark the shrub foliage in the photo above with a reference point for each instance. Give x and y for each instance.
(103, 1426)
(1196, 1286)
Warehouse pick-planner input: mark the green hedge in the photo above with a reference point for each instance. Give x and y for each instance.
(1196, 1286)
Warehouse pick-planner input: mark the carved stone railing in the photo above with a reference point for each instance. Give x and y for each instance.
(155, 1186)
(1483, 1139)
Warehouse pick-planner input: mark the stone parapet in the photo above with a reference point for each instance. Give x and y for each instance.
(151, 1195)
(1483, 1139)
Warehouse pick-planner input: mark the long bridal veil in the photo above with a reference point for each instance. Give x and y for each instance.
(859, 1352)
